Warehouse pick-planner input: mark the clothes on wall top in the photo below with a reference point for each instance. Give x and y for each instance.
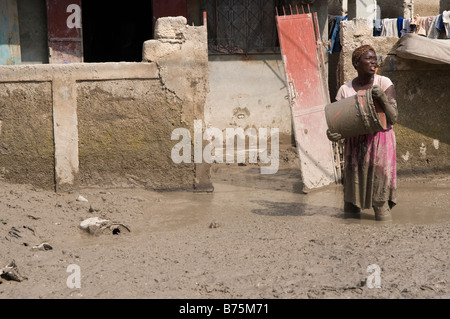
(334, 26)
(433, 27)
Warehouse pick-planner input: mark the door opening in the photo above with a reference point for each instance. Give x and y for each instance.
(114, 33)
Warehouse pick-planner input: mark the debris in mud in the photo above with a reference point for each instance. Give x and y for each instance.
(43, 246)
(14, 232)
(11, 273)
(81, 199)
(93, 209)
(20, 234)
(214, 224)
(97, 226)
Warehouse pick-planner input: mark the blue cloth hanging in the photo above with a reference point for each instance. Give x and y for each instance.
(440, 24)
(399, 26)
(335, 41)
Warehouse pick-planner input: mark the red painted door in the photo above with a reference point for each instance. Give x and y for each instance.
(308, 94)
(173, 8)
(65, 36)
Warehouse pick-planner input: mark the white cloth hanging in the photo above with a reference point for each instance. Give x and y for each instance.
(446, 20)
(389, 28)
(406, 27)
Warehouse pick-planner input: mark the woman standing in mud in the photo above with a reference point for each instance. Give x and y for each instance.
(370, 173)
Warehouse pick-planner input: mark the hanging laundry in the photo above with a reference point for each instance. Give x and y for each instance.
(335, 41)
(446, 20)
(419, 23)
(433, 32)
(406, 27)
(389, 27)
(399, 26)
(377, 27)
(428, 22)
(440, 24)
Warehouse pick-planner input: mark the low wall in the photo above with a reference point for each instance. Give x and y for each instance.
(104, 124)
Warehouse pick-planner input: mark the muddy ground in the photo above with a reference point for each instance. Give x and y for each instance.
(255, 236)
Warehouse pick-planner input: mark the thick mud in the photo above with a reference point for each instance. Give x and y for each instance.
(255, 236)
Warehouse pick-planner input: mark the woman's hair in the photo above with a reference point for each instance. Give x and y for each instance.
(359, 52)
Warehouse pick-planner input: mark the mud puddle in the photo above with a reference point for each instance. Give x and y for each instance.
(420, 201)
(242, 191)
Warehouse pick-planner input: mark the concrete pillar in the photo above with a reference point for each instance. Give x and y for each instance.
(408, 9)
(181, 53)
(66, 130)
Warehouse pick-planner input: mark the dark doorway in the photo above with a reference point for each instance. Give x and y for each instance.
(114, 33)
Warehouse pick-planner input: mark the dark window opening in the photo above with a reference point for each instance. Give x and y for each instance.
(246, 26)
(114, 33)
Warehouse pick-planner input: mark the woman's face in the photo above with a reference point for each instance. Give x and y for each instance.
(367, 63)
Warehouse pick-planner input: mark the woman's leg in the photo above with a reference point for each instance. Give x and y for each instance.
(350, 208)
(382, 211)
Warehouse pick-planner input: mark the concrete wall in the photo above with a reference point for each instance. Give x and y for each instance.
(392, 8)
(426, 7)
(104, 124)
(388, 8)
(423, 143)
(444, 5)
(248, 92)
(423, 97)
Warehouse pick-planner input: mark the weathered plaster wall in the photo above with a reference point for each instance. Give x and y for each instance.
(176, 42)
(423, 98)
(392, 8)
(426, 7)
(250, 91)
(106, 124)
(247, 93)
(124, 135)
(423, 140)
(26, 133)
